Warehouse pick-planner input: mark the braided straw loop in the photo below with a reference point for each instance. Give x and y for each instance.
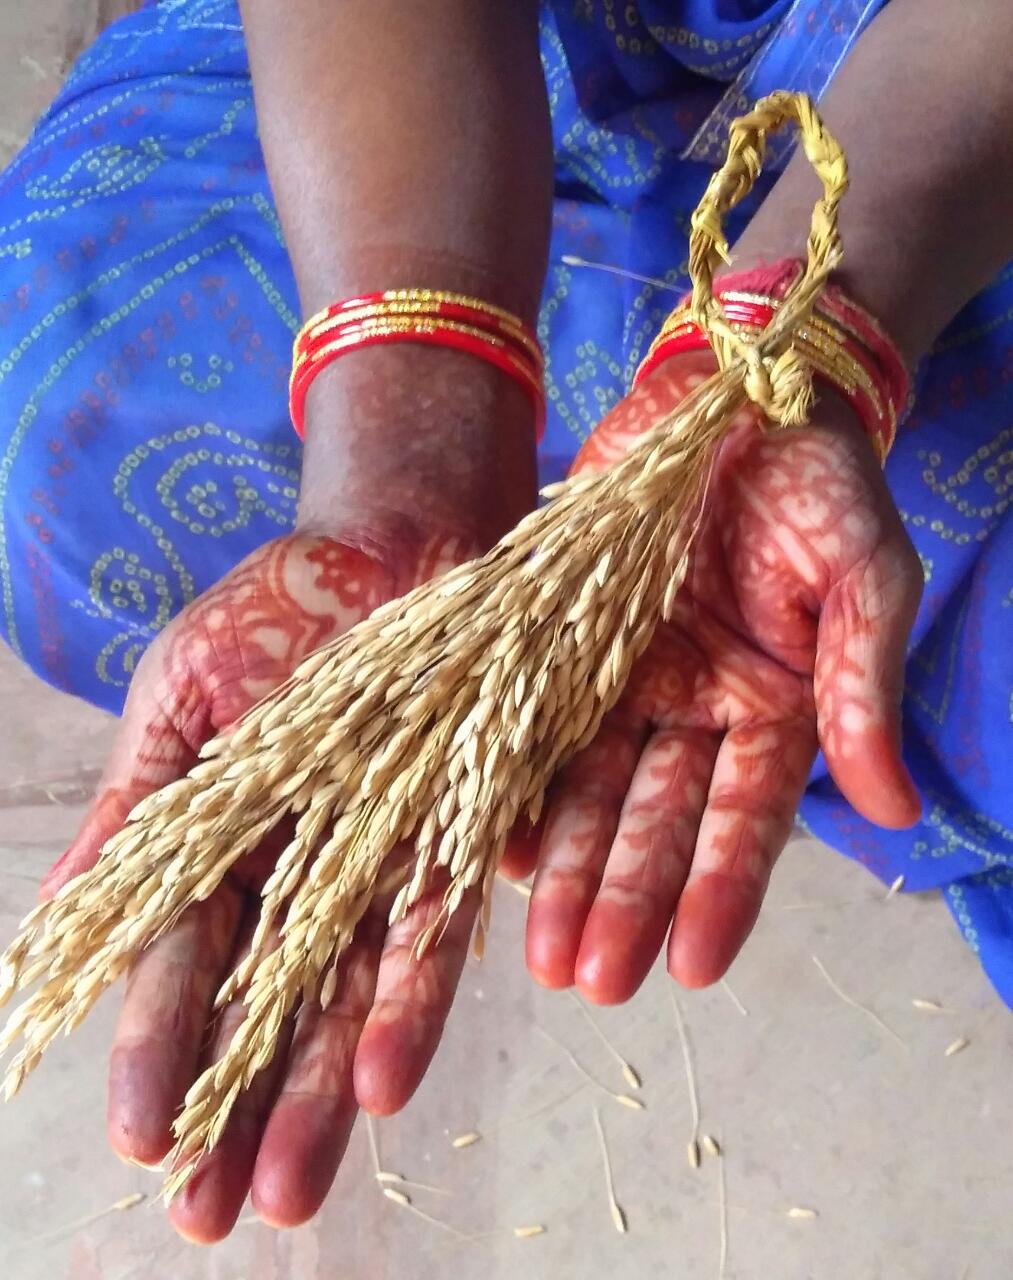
(774, 375)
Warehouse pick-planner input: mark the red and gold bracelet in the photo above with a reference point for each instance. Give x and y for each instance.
(430, 316)
(845, 347)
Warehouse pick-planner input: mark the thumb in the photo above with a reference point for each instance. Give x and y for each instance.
(861, 649)
(224, 652)
(642, 409)
(149, 751)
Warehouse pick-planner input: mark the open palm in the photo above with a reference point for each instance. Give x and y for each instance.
(790, 634)
(371, 1047)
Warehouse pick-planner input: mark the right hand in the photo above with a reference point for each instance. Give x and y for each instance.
(789, 633)
(372, 1046)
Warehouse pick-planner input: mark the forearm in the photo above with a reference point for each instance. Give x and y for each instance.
(409, 144)
(923, 107)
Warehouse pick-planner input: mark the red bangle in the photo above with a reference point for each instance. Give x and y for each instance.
(845, 346)
(430, 317)
(854, 320)
(407, 303)
(861, 389)
(879, 424)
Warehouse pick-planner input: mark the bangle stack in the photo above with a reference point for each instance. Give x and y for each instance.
(843, 344)
(431, 316)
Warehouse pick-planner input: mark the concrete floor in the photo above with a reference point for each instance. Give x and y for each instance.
(903, 1153)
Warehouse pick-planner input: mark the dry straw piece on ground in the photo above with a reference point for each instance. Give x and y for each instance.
(469, 1138)
(630, 1073)
(616, 1211)
(693, 1144)
(850, 1000)
(440, 719)
(624, 1099)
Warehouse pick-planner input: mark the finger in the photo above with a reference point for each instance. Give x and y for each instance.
(580, 826)
(207, 1207)
(150, 750)
(413, 998)
(759, 776)
(308, 1128)
(105, 816)
(162, 1026)
(861, 650)
(647, 865)
(642, 409)
(521, 853)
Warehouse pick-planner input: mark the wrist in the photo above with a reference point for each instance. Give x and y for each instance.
(892, 272)
(904, 307)
(415, 441)
(331, 268)
(665, 388)
(841, 345)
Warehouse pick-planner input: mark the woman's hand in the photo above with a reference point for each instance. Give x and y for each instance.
(287, 1134)
(790, 634)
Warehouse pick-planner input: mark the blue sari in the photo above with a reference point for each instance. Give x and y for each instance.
(147, 309)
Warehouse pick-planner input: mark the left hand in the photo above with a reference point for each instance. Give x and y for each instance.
(790, 633)
(415, 459)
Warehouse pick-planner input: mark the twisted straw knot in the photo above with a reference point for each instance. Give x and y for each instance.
(779, 385)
